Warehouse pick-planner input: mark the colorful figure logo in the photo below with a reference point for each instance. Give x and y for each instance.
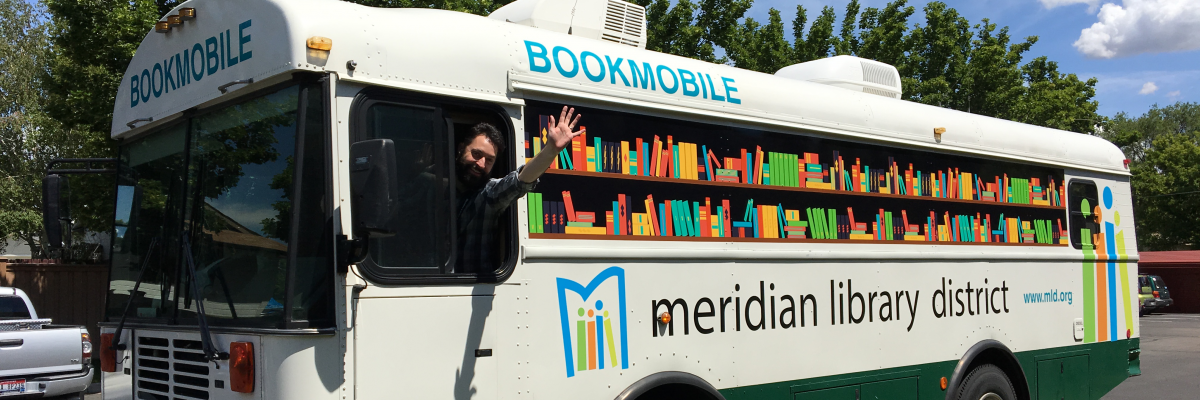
(593, 322)
(1107, 299)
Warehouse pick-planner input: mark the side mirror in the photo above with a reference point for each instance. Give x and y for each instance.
(54, 209)
(373, 187)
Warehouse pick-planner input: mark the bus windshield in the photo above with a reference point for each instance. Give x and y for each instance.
(240, 183)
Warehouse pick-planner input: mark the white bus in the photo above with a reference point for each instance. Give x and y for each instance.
(285, 222)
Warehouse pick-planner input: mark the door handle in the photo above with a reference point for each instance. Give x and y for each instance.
(12, 342)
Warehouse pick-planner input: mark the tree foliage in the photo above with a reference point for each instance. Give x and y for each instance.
(943, 61)
(23, 53)
(1163, 146)
(29, 136)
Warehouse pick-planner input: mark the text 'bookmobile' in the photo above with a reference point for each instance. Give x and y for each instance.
(714, 233)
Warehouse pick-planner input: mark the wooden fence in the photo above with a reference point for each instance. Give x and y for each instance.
(70, 294)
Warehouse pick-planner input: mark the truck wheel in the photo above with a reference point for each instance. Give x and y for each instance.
(986, 382)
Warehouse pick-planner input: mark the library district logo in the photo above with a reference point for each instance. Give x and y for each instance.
(593, 322)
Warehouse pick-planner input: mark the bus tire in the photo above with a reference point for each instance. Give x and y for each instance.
(986, 382)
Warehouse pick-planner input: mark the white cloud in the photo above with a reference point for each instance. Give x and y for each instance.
(1148, 88)
(1141, 26)
(1059, 3)
(1173, 94)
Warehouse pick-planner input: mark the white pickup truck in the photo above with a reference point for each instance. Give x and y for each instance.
(38, 359)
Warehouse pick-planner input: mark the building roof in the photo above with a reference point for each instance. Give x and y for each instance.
(1169, 258)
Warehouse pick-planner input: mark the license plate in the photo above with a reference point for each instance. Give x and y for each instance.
(12, 387)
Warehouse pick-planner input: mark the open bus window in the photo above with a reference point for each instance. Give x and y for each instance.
(427, 240)
(1085, 217)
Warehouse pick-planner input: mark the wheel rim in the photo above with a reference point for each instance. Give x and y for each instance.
(991, 396)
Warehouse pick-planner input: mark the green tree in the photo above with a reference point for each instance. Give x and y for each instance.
(882, 32)
(91, 44)
(693, 30)
(1057, 100)
(820, 40)
(761, 48)
(847, 43)
(29, 137)
(993, 79)
(1163, 146)
(937, 59)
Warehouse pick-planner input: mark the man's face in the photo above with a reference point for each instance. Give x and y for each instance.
(475, 163)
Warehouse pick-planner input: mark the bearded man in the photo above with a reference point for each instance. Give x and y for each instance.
(481, 200)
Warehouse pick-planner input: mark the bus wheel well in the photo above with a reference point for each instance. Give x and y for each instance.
(995, 353)
(670, 385)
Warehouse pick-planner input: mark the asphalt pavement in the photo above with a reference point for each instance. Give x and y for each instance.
(1170, 360)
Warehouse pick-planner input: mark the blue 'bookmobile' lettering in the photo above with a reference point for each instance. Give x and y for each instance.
(646, 76)
(192, 64)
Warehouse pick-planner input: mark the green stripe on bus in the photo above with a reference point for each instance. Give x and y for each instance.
(581, 346)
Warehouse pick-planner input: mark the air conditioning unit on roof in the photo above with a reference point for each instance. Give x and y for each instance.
(615, 21)
(848, 72)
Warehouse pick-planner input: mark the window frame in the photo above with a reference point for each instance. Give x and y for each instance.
(1074, 231)
(304, 82)
(358, 123)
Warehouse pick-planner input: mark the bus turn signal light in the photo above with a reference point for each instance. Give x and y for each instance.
(320, 43)
(943, 383)
(241, 367)
(108, 355)
(665, 318)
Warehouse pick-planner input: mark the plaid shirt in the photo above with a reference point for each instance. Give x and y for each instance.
(477, 215)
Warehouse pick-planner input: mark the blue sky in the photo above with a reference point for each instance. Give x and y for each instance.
(1143, 52)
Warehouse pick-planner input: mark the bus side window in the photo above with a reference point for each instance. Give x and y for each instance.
(1084, 217)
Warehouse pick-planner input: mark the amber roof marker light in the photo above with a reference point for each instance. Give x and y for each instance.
(319, 43)
(187, 13)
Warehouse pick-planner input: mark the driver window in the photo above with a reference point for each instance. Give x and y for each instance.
(429, 145)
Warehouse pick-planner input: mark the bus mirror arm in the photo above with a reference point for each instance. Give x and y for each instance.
(350, 251)
(53, 209)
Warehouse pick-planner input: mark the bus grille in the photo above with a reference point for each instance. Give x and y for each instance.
(170, 368)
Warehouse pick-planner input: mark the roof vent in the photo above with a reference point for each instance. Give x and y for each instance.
(615, 21)
(848, 72)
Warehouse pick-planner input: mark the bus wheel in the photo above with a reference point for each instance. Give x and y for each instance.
(986, 382)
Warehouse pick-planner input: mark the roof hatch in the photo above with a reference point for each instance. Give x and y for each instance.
(848, 72)
(615, 21)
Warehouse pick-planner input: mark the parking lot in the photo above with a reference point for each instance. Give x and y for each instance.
(1170, 360)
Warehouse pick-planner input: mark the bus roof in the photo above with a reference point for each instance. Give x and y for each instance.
(230, 42)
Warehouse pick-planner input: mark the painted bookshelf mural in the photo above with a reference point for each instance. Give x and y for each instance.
(635, 177)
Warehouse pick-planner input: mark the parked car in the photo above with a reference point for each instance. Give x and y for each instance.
(1146, 301)
(1153, 293)
(39, 359)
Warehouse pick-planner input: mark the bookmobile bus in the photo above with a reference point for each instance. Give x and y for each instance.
(284, 225)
